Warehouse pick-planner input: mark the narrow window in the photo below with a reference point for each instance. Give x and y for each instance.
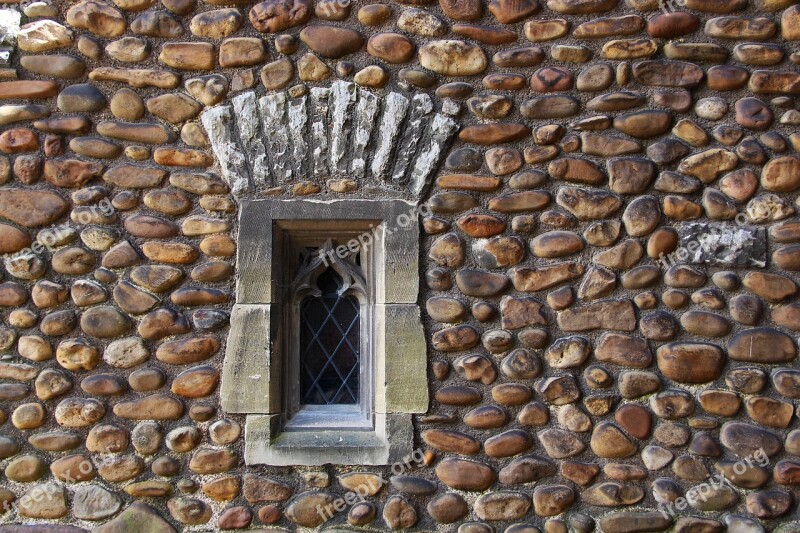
(330, 349)
(329, 338)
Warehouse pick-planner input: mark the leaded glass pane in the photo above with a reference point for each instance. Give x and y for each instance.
(330, 345)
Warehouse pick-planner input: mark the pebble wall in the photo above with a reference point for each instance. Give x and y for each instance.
(608, 270)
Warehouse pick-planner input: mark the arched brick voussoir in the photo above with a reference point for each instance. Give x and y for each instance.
(391, 141)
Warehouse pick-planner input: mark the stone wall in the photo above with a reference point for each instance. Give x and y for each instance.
(610, 262)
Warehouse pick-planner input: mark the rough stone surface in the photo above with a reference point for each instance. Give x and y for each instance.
(607, 274)
(724, 244)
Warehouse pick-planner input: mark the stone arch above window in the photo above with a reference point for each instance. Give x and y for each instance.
(391, 141)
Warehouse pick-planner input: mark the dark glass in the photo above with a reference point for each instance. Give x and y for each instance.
(330, 345)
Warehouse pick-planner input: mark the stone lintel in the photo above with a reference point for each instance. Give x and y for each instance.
(401, 242)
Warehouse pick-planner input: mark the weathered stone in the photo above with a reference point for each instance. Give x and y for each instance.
(96, 17)
(79, 412)
(25, 468)
(448, 508)
(546, 30)
(43, 35)
(551, 79)
(189, 350)
(32, 505)
(451, 441)
(595, 78)
(241, 52)
(787, 316)
(457, 395)
(525, 470)
(220, 23)
(174, 108)
(690, 362)
(559, 390)
(635, 521)
(447, 250)
(588, 204)
(611, 494)
(576, 171)
(486, 417)
(92, 502)
(769, 412)
(556, 244)
(672, 404)
(488, 134)
(610, 442)
(508, 443)
(52, 383)
(136, 77)
(479, 283)
(189, 511)
(551, 500)
(669, 25)
(274, 16)
(581, 7)
(643, 124)
(56, 66)
(705, 324)
(461, 474)
(452, 58)
(157, 24)
(398, 513)
(667, 73)
(608, 314)
(520, 201)
(484, 34)
(568, 352)
(744, 439)
(77, 355)
(443, 309)
(155, 407)
(143, 133)
(129, 49)
(31, 208)
(502, 506)
(769, 504)
(196, 382)
(629, 49)
(623, 350)
(330, 41)
(104, 322)
(762, 345)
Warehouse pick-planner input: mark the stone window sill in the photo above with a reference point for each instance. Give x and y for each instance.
(388, 442)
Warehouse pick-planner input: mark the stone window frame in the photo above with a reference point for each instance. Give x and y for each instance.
(251, 378)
